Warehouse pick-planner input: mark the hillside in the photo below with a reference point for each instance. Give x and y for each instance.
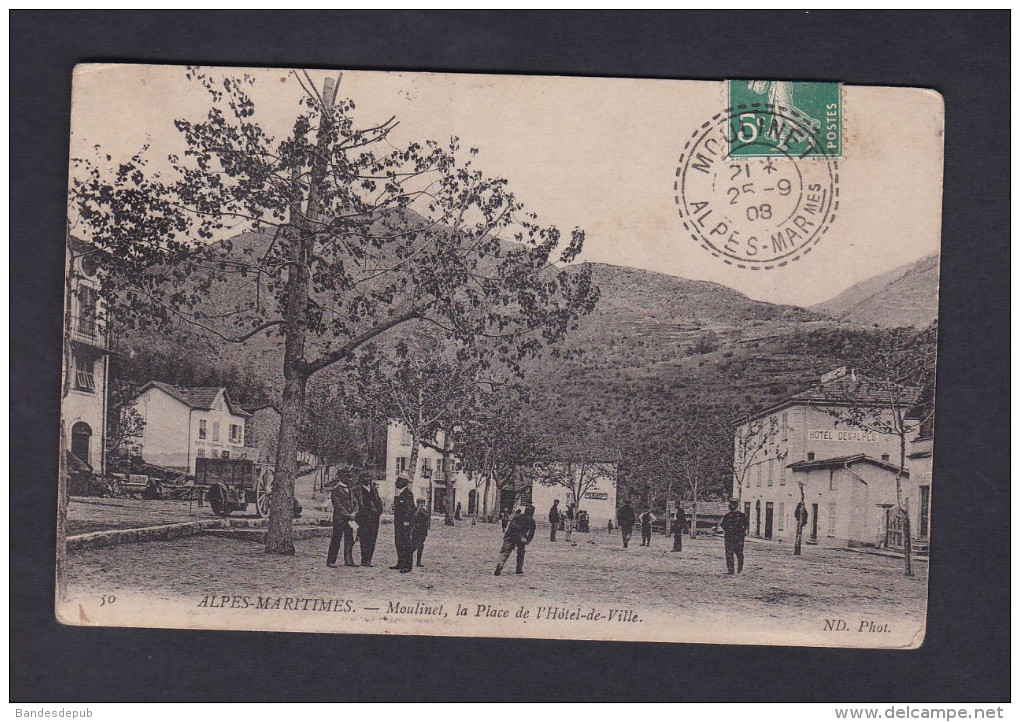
(905, 296)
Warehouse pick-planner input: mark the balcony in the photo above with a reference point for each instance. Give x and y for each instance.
(90, 331)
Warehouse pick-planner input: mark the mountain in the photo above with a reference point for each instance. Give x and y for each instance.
(904, 296)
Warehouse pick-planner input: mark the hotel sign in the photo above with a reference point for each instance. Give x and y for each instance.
(842, 435)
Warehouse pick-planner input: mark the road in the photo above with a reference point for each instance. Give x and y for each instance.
(778, 594)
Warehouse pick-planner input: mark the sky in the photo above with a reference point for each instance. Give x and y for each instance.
(599, 153)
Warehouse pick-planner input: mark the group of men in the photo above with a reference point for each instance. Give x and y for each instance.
(734, 525)
(357, 509)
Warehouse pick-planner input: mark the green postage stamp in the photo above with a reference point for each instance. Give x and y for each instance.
(785, 117)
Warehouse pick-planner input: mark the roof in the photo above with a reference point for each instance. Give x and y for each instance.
(844, 461)
(196, 397)
(850, 389)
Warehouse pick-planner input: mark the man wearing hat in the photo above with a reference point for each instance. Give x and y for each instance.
(345, 511)
(368, 517)
(734, 525)
(403, 517)
(519, 533)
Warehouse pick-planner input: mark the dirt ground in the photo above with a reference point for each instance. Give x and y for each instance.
(775, 588)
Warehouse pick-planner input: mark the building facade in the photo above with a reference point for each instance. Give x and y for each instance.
(848, 474)
(84, 406)
(430, 478)
(597, 491)
(184, 424)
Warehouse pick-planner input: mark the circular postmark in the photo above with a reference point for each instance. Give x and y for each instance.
(767, 205)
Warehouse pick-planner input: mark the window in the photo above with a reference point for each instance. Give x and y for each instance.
(832, 479)
(405, 436)
(770, 472)
(782, 514)
(402, 464)
(759, 473)
(782, 474)
(235, 433)
(811, 456)
(832, 520)
(84, 374)
(202, 431)
(439, 467)
(216, 431)
(201, 454)
(225, 454)
(426, 468)
(885, 458)
(785, 435)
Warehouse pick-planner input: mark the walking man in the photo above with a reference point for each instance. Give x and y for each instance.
(570, 519)
(519, 533)
(420, 529)
(554, 519)
(368, 517)
(403, 515)
(345, 510)
(647, 518)
(679, 522)
(734, 525)
(625, 520)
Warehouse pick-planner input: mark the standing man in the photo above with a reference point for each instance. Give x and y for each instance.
(403, 516)
(570, 519)
(679, 522)
(625, 520)
(554, 519)
(368, 517)
(734, 525)
(646, 527)
(345, 510)
(420, 529)
(519, 533)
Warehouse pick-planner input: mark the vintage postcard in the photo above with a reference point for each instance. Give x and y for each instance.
(502, 356)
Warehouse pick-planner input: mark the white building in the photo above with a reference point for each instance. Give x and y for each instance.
(182, 424)
(84, 407)
(597, 491)
(430, 474)
(848, 473)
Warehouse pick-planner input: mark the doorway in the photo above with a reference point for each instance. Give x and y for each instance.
(81, 440)
(757, 518)
(814, 522)
(768, 520)
(925, 511)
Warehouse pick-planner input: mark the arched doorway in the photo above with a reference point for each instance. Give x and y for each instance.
(473, 502)
(81, 441)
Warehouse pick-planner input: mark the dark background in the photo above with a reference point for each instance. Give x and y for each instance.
(965, 655)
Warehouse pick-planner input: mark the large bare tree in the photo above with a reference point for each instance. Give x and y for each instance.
(347, 238)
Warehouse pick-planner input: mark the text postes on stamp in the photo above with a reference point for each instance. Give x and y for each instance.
(756, 199)
(786, 117)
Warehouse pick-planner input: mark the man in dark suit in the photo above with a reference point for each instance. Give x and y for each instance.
(625, 517)
(403, 517)
(519, 533)
(679, 522)
(345, 511)
(734, 525)
(368, 517)
(554, 519)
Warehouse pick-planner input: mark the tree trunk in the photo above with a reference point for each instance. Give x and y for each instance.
(413, 467)
(450, 480)
(301, 239)
(694, 518)
(279, 538)
(485, 498)
(798, 540)
(901, 508)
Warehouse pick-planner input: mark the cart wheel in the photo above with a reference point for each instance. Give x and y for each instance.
(219, 504)
(263, 489)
